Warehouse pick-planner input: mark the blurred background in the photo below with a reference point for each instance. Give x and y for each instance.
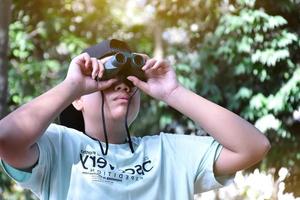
(242, 54)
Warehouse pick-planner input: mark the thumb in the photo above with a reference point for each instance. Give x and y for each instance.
(138, 83)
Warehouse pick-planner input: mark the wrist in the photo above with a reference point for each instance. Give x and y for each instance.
(174, 95)
(73, 88)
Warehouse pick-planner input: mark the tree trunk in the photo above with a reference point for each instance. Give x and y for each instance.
(5, 12)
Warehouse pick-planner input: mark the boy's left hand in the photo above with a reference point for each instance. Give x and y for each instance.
(161, 81)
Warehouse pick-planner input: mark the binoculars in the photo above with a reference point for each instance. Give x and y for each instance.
(124, 64)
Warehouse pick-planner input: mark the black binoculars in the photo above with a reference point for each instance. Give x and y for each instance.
(124, 64)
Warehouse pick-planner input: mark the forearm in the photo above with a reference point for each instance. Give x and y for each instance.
(24, 126)
(230, 130)
(243, 144)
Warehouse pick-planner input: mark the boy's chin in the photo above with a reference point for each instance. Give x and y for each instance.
(119, 113)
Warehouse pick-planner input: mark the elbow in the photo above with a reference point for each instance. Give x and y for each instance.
(266, 146)
(257, 152)
(262, 149)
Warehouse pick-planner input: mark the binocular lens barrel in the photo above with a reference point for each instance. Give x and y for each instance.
(124, 64)
(120, 58)
(138, 60)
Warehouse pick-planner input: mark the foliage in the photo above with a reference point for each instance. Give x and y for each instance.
(247, 65)
(243, 55)
(257, 185)
(43, 39)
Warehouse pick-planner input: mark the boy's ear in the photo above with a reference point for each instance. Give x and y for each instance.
(78, 104)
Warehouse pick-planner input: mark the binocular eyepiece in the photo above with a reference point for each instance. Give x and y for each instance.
(124, 64)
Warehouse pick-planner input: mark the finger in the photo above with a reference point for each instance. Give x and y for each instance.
(84, 62)
(95, 66)
(149, 64)
(101, 69)
(138, 83)
(85, 59)
(105, 59)
(101, 65)
(80, 59)
(102, 85)
(159, 63)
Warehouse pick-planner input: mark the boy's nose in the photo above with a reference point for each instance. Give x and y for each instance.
(122, 86)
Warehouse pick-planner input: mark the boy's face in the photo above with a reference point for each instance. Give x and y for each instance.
(116, 99)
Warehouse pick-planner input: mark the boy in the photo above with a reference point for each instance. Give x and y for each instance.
(101, 161)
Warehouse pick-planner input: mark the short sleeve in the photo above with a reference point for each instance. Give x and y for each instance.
(197, 155)
(40, 175)
(15, 174)
(205, 177)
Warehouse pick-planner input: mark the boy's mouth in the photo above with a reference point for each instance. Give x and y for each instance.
(122, 97)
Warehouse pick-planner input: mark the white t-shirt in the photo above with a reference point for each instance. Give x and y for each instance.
(163, 167)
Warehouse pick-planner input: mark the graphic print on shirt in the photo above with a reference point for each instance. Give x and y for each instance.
(96, 168)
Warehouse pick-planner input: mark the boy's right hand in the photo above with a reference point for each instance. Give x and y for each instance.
(82, 74)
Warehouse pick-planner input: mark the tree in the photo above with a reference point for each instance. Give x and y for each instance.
(246, 59)
(243, 55)
(250, 65)
(5, 13)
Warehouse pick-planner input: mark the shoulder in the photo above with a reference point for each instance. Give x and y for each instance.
(56, 129)
(168, 139)
(154, 138)
(56, 134)
(180, 138)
